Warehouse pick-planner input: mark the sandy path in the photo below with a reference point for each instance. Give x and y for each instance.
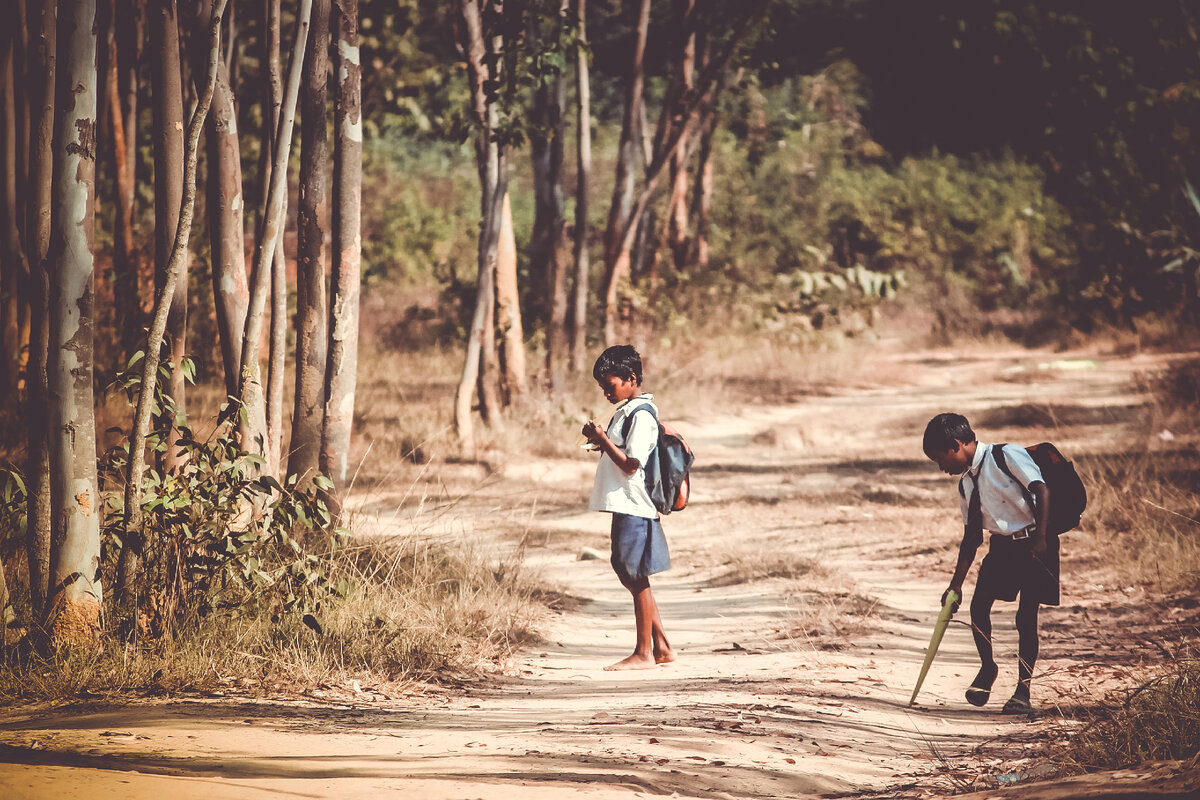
(754, 708)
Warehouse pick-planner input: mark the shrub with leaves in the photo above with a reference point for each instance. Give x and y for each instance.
(221, 535)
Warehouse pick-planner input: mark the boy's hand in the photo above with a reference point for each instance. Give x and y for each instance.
(957, 590)
(593, 433)
(1039, 544)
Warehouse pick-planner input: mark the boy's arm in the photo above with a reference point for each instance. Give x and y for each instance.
(599, 437)
(966, 556)
(1041, 493)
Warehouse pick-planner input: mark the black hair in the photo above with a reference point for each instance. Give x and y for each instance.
(620, 360)
(945, 432)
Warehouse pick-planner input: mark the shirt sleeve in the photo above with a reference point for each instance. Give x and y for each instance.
(1022, 465)
(643, 437)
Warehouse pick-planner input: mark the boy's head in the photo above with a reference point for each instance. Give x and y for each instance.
(950, 443)
(618, 371)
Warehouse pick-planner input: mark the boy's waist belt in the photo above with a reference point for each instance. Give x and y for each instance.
(1024, 533)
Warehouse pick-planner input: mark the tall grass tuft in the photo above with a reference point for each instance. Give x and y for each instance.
(1158, 720)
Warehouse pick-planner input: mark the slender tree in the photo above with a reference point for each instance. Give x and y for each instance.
(225, 209)
(547, 242)
(508, 309)
(251, 393)
(167, 83)
(121, 82)
(620, 213)
(480, 366)
(127, 565)
(583, 146)
(13, 265)
(277, 355)
(42, 65)
(347, 247)
(685, 62)
(701, 208)
(75, 589)
(311, 345)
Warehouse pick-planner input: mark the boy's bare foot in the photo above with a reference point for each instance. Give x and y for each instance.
(635, 661)
(665, 656)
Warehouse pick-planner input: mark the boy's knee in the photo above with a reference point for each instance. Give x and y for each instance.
(981, 605)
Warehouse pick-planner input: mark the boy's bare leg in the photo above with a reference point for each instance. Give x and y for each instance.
(1027, 630)
(981, 628)
(645, 610)
(663, 654)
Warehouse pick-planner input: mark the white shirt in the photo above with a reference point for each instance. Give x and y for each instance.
(1005, 506)
(613, 489)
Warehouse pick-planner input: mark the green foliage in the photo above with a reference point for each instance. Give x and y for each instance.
(14, 505)
(420, 211)
(809, 212)
(219, 535)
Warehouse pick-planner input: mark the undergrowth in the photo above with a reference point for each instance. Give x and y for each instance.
(420, 609)
(1158, 720)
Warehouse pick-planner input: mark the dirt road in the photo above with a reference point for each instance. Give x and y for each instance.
(791, 686)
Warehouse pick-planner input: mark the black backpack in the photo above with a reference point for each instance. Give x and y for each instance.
(1068, 498)
(668, 467)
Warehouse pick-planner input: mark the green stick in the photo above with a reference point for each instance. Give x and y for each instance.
(939, 628)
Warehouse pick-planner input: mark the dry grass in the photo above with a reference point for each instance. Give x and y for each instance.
(420, 609)
(1144, 512)
(1158, 720)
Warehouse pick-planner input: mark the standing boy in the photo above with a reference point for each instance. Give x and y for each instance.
(639, 548)
(1022, 559)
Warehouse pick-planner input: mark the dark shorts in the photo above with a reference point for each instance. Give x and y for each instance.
(639, 548)
(1010, 569)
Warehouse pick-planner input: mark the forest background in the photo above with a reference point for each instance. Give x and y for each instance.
(179, 413)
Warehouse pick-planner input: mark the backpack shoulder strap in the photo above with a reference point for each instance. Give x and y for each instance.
(629, 418)
(1002, 463)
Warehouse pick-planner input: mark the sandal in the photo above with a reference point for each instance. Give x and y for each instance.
(1017, 704)
(981, 688)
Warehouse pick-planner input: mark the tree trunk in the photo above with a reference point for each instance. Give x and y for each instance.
(479, 365)
(547, 256)
(616, 257)
(684, 77)
(508, 308)
(134, 535)
(225, 210)
(122, 86)
(279, 290)
(340, 376)
(76, 592)
(311, 346)
(42, 61)
(702, 196)
(252, 429)
(12, 257)
(166, 81)
(584, 157)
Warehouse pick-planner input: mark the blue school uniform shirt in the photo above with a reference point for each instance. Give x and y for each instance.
(613, 490)
(1004, 504)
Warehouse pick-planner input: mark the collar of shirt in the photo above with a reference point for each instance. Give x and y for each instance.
(981, 451)
(628, 407)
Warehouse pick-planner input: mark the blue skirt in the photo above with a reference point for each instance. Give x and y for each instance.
(639, 548)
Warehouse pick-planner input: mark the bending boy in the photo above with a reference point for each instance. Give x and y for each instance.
(1021, 560)
(639, 548)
